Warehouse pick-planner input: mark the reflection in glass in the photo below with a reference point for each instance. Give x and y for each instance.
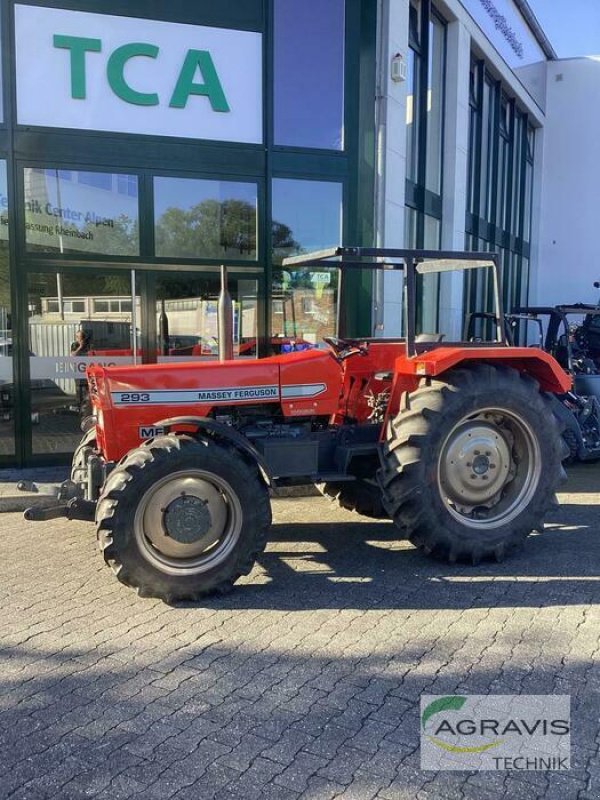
(503, 181)
(435, 105)
(309, 73)
(7, 389)
(412, 116)
(67, 211)
(187, 322)
(307, 215)
(89, 321)
(428, 286)
(205, 219)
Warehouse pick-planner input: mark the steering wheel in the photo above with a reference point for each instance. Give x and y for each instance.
(344, 348)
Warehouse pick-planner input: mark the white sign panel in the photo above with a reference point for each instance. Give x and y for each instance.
(506, 29)
(108, 73)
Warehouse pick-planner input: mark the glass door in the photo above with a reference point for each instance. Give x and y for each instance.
(187, 315)
(78, 318)
(75, 319)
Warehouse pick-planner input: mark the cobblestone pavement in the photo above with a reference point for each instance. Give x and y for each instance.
(302, 683)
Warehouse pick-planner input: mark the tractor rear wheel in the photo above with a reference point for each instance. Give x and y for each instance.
(181, 518)
(361, 495)
(472, 463)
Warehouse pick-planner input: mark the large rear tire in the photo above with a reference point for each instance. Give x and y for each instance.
(472, 463)
(180, 518)
(361, 495)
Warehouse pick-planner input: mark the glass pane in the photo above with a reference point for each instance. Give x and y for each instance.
(62, 342)
(486, 149)
(187, 321)
(205, 219)
(7, 398)
(435, 106)
(472, 167)
(412, 117)
(81, 212)
(307, 215)
(517, 174)
(428, 286)
(410, 227)
(522, 298)
(414, 24)
(501, 180)
(309, 73)
(526, 233)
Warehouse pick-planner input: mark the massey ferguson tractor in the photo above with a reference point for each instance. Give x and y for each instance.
(455, 442)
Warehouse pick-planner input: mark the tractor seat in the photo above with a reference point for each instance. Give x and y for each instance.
(429, 337)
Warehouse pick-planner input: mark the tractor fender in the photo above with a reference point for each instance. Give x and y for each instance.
(219, 431)
(532, 361)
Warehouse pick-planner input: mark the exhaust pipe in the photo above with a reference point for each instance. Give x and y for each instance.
(225, 319)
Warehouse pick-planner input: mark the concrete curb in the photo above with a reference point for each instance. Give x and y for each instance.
(11, 499)
(22, 501)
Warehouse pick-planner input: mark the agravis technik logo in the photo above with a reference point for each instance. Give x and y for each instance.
(495, 732)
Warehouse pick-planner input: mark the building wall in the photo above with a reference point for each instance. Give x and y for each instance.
(570, 201)
(523, 81)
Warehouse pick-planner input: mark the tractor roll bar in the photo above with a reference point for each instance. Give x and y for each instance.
(413, 262)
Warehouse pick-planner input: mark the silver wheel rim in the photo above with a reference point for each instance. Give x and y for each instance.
(188, 522)
(489, 468)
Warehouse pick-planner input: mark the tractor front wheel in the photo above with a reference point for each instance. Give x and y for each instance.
(181, 518)
(472, 463)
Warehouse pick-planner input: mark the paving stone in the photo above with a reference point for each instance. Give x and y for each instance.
(297, 774)
(297, 687)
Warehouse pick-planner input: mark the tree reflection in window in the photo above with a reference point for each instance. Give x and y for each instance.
(197, 218)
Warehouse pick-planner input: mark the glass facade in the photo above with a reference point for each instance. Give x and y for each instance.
(118, 230)
(501, 151)
(307, 215)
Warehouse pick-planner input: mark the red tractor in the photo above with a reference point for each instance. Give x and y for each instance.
(456, 442)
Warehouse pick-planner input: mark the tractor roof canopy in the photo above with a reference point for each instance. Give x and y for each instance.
(414, 264)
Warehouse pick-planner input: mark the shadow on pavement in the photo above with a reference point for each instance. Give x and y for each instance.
(363, 564)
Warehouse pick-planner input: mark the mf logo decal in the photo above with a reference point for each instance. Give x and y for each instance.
(150, 431)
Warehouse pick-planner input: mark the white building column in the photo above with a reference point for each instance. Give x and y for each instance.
(391, 161)
(455, 174)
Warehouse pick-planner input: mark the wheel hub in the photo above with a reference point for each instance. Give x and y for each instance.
(187, 519)
(185, 515)
(476, 464)
(481, 464)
